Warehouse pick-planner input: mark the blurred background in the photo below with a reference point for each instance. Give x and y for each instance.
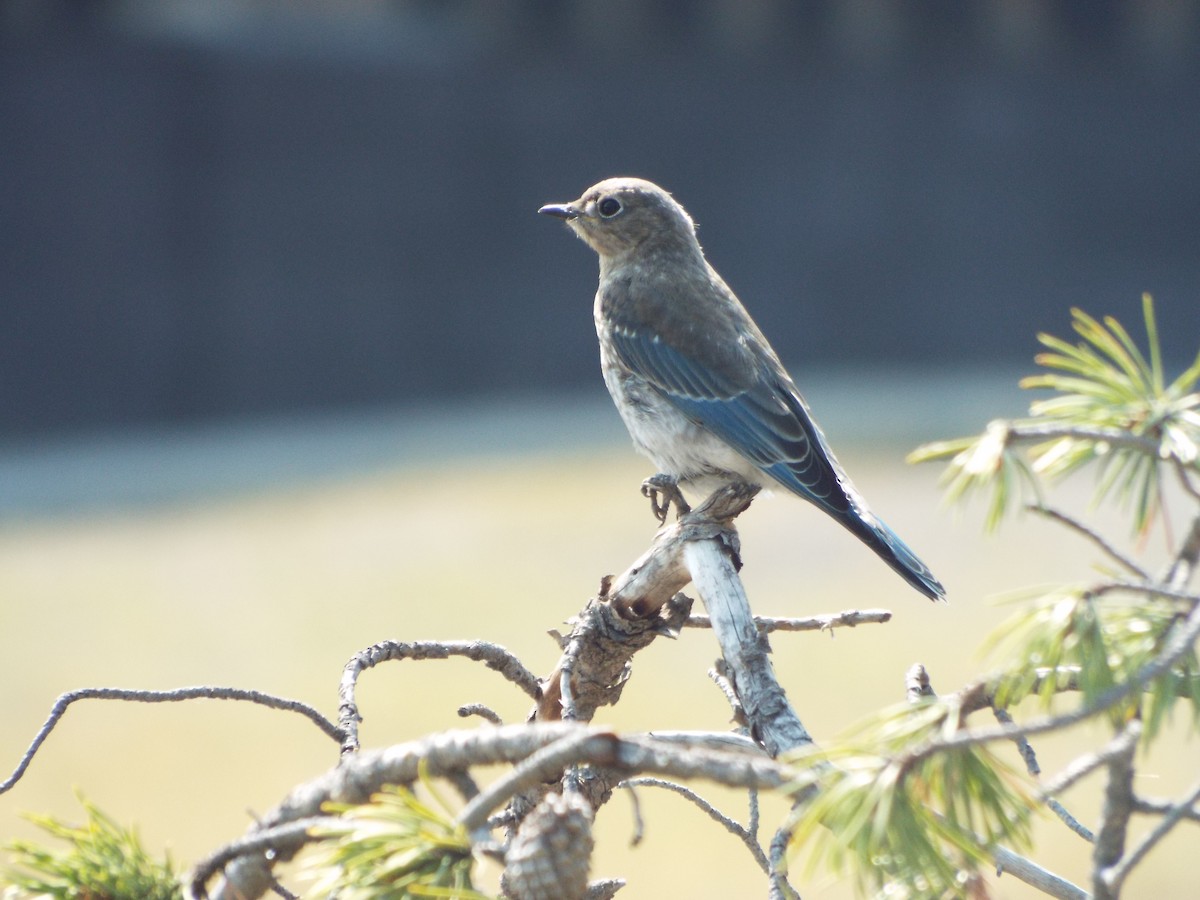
(288, 364)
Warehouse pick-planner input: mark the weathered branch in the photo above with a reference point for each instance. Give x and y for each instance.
(1082, 766)
(479, 709)
(633, 609)
(492, 655)
(1183, 567)
(1185, 472)
(1172, 817)
(743, 833)
(721, 741)
(661, 571)
(769, 715)
(1034, 875)
(1031, 432)
(598, 652)
(1156, 806)
(59, 709)
(781, 888)
(360, 775)
(539, 751)
(846, 619)
(261, 841)
(718, 675)
(1114, 819)
(1183, 636)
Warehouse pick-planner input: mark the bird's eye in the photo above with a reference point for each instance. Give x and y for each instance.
(609, 207)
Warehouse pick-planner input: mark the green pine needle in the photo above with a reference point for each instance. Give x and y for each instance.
(1105, 381)
(394, 847)
(902, 823)
(101, 860)
(1102, 641)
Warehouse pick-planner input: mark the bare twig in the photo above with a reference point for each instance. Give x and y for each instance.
(781, 888)
(1092, 535)
(1183, 636)
(721, 680)
(730, 825)
(1186, 560)
(544, 764)
(721, 741)
(358, 776)
(1114, 819)
(639, 824)
(604, 889)
(628, 754)
(492, 655)
(1009, 863)
(173, 696)
(1185, 473)
(540, 753)
(1083, 766)
(479, 709)
(1026, 432)
(257, 843)
(1117, 875)
(754, 813)
(846, 619)
(1031, 765)
(1155, 806)
(1149, 589)
(464, 784)
(769, 715)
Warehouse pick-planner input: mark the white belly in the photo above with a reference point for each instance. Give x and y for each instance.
(677, 446)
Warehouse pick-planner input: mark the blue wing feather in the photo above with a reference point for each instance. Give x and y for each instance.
(763, 419)
(751, 404)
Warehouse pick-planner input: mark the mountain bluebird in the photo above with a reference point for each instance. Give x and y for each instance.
(698, 386)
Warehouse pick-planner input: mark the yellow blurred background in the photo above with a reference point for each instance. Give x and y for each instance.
(275, 588)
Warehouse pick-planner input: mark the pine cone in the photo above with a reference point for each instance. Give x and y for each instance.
(549, 857)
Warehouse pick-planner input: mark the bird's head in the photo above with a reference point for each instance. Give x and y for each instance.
(620, 215)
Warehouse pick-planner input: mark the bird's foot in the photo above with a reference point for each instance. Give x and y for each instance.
(663, 490)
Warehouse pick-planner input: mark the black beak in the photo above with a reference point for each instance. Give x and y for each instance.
(560, 211)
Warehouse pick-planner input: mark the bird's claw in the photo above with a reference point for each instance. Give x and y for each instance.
(663, 490)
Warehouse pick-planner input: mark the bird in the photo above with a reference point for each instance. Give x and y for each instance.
(699, 388)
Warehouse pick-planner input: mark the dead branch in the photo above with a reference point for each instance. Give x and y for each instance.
(661, 571)
(742, 832)
(769, 715)
(1114, 818)
(1172, 817)
(633, 609)
(598, 654)
(492, 655)
(59, 709)
(538, 752)
(846, 619)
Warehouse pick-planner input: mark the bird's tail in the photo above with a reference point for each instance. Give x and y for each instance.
(893, 551)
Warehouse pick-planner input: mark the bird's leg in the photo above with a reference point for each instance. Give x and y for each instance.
(663, 490)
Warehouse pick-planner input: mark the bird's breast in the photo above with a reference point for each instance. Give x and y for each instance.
(677, 445)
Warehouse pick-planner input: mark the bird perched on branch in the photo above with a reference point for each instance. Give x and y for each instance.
(698, 386)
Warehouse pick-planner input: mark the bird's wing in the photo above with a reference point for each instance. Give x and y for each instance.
(739, 392)
(745, 398)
